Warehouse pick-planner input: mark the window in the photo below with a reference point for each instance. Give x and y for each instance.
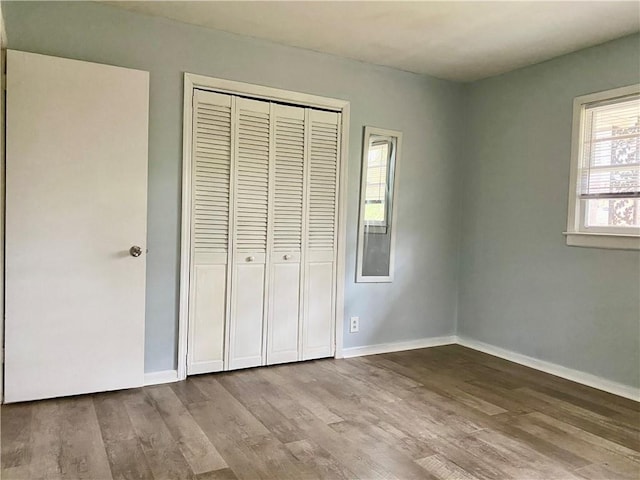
(604, 200)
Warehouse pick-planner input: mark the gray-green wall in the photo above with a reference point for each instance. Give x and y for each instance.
(521, 287)
(422, 301)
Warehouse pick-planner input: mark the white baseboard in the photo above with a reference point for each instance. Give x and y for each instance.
(397, 346)
(577, 376)
(627, 391)
(157, 378)
(205, 367)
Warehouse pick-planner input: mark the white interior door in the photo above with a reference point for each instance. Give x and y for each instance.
(76, 173)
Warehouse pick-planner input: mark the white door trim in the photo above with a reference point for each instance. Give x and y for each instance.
(193, 81)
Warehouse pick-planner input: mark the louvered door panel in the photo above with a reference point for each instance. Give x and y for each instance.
(287, 199)
(323, 158)
(289, 179)
(211, 180)
(252, 147)
(320, 247)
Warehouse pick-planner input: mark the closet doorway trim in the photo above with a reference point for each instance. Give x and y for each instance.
(258, 92)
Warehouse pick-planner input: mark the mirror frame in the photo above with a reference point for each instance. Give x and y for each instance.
(368, 133)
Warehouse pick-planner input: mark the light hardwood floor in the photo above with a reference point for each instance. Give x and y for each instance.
(444, 412)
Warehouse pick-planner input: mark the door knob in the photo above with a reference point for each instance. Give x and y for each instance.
(287, 257)
(135, 251)
(251, 258)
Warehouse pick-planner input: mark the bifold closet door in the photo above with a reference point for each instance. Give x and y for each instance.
(251, 205)
(318, 323)
(210, 242)
(263, 243)
(287, 202)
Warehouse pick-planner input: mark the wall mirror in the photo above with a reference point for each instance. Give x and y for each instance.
(376, 229)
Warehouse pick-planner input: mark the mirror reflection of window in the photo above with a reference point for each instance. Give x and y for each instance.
(377, 189)
(376, 238)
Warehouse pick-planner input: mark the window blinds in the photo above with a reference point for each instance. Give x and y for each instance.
(610, 154)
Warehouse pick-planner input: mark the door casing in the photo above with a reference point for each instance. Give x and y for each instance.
(193, 82)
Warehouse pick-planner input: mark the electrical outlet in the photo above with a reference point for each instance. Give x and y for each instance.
(354, 325)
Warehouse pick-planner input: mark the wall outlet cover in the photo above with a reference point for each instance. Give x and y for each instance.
(354, 325)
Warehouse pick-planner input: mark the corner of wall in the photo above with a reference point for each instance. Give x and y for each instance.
(461, 155)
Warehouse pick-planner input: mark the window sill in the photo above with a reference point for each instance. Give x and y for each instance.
(603, 240)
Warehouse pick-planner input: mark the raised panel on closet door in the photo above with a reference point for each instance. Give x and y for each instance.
(251, 202)
(318, 322)
(288, 217)
(211, 180)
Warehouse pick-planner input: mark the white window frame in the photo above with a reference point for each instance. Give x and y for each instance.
(577, 234)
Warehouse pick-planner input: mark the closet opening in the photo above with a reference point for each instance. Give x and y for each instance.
(263, 226)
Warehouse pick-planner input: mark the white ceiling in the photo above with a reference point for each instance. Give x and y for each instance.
(461, 41)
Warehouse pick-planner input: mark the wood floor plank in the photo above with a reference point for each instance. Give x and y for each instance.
(236, 432)
(393, 460)
(45, 439)
(448, 414)
(224, 474)
(67, 443)
(21, 472)
(83, 454)
(442, 468)
(292, 386)
(477, 466)
(276, 460)
(212, 419)
(272, 406)
(376, 376)
(277, 422)
(448, 388)
(196, 448)
(590, 453)
(160, 449)
(318, 459)
(443, 412)
(237, 418)
(560, 453)
(124, 451)
(16, 436)
(585, 403)
(496, 395)
(605, 471)
(514, 457)
(355, 457)
(612, 429)
(594, 443)
(188, 392)
(358, 384)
